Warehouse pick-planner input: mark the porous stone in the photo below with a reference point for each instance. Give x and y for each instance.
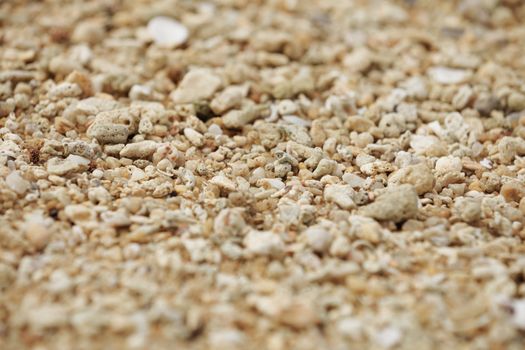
(397, 203)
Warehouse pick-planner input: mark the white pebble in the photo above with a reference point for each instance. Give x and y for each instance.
(286, 107)
(388, 337)
(223, 182)
(519, 313)
(353, 180)
(140, 92)
(448, 164)
(318, 238)
(139, 150)
(198, 84)
(17, 183)
(445, 75)
(193, 136)
(295, 120)
(214, 129)
(340, 195)
(264, 243)
(167, 32)
(351, 328)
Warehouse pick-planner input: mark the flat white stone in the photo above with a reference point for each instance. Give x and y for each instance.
(167, 32)
(445, 75)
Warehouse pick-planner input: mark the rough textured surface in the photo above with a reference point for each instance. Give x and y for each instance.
(397, 203)
(262, 174)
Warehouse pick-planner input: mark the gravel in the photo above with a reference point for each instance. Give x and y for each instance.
(262, 174)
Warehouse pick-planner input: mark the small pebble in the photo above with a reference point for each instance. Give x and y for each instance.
(397, 204)
(167, 32)
(196, 85)
(17, 183)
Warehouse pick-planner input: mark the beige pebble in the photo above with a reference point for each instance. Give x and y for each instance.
(238, 118)
(38, 234)
(223, 182)
(428, 145)
(318, 238)
(7, 275)
(446, 75)
(516, 101)
(363, 227)
(418, 175)
(325, 167)
(377, 167)
(299, 315)
(230, 222)
(342, 195)
(468, 209)
(513, 191)
(139, 150)
(79, 213)
(264, 243)
(229, 98)
(17, 183)
(193, 136)
(109, 133)
(448, 164)
(397, 204)
(72, 164)
(196, 85)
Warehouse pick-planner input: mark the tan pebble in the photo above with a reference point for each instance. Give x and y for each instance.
(299, 315)
(139, 150)
(64, 90)
(196, 85)
(318, 238)
(448, 164)
(37, 234)
(468, 209)
(83, 81)
(513, 191)
(509, 147)
(7, 275)
(238, 118)
(229, 98)
(342, 195)
(516, 101)
(193, 136)
(264, 243)
(377, 167)
(47, 316)
(90, 31)
(418, 175)
(475, 186)
(354, 180)
(17, 183)
(230, 222)
(79, 213)
(363, 227)
(359, 124)
(325, 167)
(463, 97)
(72, 164)
(108, 133)
(428, 145)
(397, 203)
(223, 182)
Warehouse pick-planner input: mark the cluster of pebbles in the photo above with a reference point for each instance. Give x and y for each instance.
(280, 174)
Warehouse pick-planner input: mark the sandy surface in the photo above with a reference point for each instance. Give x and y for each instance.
(281, 174)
